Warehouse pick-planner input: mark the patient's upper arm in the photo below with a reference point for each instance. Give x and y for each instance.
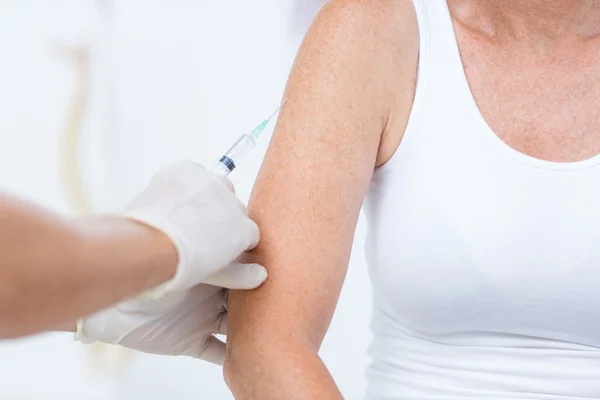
(308, 195)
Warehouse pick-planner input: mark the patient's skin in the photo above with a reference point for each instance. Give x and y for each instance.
(352, 82)
(351, 91)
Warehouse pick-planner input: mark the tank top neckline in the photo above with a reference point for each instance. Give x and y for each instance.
(465, 92)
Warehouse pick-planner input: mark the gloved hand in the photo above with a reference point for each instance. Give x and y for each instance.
(179, 323)
(199, 212)
(210, 228)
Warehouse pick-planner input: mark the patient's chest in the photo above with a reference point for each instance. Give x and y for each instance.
(482, 244)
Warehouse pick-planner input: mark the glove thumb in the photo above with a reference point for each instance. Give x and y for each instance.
(238, 276)
(214, 352)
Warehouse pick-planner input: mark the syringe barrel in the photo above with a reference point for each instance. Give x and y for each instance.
(234, 156)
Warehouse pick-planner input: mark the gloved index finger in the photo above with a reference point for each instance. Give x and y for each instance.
(226, 181)
(223, 179)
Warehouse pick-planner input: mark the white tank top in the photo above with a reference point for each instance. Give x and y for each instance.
(485, 262)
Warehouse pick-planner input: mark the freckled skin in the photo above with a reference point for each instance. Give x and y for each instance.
(351, 91)
(539, 94)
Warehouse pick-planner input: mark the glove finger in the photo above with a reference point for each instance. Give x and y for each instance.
(238, 276)
(204, 170)
(227, 183)
(194, 163)
(222, 328)
(214, 352)
(254, 235)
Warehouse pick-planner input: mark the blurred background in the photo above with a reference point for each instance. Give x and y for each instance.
(97, 95)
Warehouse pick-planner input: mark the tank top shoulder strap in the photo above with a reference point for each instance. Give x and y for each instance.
(441, 88)
(440, 57)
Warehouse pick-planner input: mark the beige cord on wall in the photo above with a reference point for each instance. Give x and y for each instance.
(75, 193)
(70, 170)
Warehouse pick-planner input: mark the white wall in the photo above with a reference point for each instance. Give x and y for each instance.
(169, 82)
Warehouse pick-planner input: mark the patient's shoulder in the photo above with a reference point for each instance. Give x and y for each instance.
(375, 19)
(380, 39)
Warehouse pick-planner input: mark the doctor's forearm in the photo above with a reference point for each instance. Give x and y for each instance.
(54, 270)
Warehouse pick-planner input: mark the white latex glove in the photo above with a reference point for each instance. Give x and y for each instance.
(199, 211)
(179, 323)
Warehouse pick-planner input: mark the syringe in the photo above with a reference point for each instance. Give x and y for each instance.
(234, 156)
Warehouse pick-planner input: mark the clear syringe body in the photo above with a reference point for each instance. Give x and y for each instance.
(240, 149)
(234, 156)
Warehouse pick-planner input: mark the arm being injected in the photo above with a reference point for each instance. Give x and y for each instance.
(240, 149)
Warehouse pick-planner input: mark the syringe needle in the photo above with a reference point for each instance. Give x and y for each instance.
(278, 108)
(261, 127)
(242, 147)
